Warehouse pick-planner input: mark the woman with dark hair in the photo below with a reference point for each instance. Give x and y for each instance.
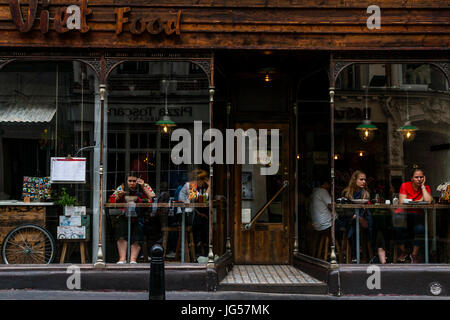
(139, 192)
(414, 190)
(357, 189)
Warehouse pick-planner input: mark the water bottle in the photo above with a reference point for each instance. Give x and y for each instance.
(377, 199)
(395, 199)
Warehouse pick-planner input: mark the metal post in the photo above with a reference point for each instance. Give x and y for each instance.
(358, 253)
(183, 231)
(295, 251)
(433, 245)
(100, 263)
(427, 259)
(157, 288)
(210, 263)
(228, 241)
(333, 209)
(129, 237)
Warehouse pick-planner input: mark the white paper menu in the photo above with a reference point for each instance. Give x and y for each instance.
(68, 170)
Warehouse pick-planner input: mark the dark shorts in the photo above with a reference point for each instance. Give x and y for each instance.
(121, 229)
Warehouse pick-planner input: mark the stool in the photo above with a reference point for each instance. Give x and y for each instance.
(83, 249)
(365, 246)
(324, 241)
(345, 247)
(189, 251)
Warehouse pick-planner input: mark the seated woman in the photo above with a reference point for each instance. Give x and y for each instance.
(357, 189)
(134, 186)
(194, 190)
(415, 190)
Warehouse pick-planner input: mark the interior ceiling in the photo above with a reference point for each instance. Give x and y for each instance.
(281, 61)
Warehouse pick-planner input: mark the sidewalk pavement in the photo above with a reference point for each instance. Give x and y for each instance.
(190, 295)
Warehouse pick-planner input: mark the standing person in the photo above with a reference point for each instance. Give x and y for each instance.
(198, 184)
(415, 190)
(357, 189)
(133, 186)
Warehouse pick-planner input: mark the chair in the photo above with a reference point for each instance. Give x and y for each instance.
(189, 250)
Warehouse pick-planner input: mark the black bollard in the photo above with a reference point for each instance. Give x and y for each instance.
(157, 289)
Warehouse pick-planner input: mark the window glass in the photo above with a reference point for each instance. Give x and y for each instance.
(46, 110)
(140, 95)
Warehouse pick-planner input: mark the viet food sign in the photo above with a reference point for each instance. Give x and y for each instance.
(75, 17)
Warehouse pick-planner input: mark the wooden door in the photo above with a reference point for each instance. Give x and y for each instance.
(267, 241)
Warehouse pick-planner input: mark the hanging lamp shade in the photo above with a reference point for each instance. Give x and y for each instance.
(408, 131)
(366, 130)
(166, 123)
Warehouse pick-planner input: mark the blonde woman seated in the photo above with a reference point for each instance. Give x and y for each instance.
(195, 190)
(357, 189)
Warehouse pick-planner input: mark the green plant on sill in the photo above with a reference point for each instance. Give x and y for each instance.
(65, 199)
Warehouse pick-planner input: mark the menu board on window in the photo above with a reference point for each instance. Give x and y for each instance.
(68, 170)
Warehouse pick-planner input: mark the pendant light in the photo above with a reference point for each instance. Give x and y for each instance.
(366, 129)
(165, 123)
(408, 131)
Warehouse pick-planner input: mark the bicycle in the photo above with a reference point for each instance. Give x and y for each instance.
(28, 244)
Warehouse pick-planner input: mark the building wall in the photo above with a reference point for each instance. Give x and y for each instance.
(250, 24)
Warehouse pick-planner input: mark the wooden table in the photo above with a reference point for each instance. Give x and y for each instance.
(158, 205)
(392, 207)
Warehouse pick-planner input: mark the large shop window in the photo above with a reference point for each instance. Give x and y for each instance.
(389, 120)
(46, 110)
(139, 95)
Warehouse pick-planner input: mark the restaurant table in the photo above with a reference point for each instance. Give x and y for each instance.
(425, 207)
(181, 205)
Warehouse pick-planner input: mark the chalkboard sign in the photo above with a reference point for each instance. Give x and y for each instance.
(68, 170)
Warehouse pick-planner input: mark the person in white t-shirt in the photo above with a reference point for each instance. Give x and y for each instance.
(320, 199)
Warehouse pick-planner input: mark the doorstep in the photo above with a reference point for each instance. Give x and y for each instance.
(191, 277)
(271, 279)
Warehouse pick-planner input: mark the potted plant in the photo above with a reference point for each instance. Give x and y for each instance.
(69, 203)
(65, 199)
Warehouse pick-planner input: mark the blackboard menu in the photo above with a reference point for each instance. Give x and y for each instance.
(36, 188)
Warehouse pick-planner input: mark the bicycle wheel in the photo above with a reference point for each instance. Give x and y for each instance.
(28, 244)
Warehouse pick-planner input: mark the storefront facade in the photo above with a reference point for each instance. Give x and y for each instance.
(91, 79)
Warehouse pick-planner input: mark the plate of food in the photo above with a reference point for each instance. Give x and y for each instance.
(360, 201)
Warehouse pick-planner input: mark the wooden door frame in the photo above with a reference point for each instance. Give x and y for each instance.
(289, 220)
